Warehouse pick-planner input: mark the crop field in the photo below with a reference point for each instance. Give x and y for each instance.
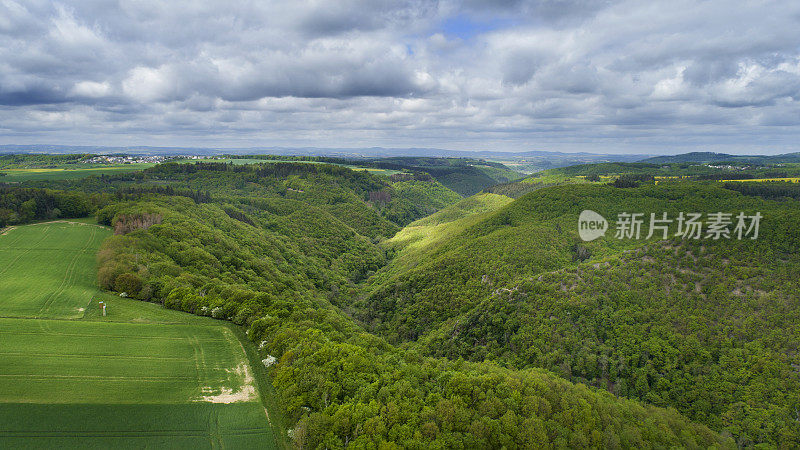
(764, 180)
(142, 376)
(64, 173)
(48, 361)
(48, 270)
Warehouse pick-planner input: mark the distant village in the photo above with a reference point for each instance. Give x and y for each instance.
(137, 159)
(729, 167)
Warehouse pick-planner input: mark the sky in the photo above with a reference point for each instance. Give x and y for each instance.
(563, 75)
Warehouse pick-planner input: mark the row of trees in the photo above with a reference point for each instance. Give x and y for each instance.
(769, 190)
(18, 206)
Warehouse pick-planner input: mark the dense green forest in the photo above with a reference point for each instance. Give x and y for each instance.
(19, 206)
(463, 175)
(709, 327)
(649, 172)
(340, 384)
(486, 324)
(709, 157)
(375, 206)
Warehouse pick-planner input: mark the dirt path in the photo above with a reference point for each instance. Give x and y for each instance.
(4, 231)
(70, 222)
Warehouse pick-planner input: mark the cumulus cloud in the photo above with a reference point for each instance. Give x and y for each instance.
(513, 75)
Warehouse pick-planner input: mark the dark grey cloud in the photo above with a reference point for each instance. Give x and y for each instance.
(538, 10)
(35, 95)
(514, 74)
(703, 72)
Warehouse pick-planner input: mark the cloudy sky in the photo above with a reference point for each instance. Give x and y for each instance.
(567, 75)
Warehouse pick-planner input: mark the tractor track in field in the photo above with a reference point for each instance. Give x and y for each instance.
(80, 355)
(47, 332)
(14, 261)
(5, 231)
(199, 373)
(214, 430)
(122, 352)
(68, 276)
(71, 223)
(129, 434)
(149, 379)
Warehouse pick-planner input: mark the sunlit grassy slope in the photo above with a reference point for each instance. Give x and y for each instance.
(442, 224)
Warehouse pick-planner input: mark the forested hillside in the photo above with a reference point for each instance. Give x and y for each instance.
(486, 324)
(375, 206)
(341, 385)
(707, 157)
(284, 250)
(463, 175)
(709, 327)
(634, 173)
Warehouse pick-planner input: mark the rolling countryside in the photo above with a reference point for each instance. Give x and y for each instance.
(332, 307)
(390, 225)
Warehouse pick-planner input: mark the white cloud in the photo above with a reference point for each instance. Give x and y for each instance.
(91, 89)
(581, 75)
(147, 84)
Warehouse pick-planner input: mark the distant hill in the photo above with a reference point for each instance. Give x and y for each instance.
(467, 176)
(365, 152)
(527, 161)
(710, 157)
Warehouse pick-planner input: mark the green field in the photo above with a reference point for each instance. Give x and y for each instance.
(142, 376)
(65, 173)
(48, 270)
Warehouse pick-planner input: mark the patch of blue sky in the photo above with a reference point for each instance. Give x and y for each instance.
(466, 27)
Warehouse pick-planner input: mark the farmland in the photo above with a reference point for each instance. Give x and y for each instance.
(68, 173)
(140, 376)
(30, 288)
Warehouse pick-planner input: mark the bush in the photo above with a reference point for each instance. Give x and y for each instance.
(146, 293)
(107, 276)
(129, 283)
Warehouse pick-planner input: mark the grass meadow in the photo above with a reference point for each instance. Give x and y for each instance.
(62, 173)
(142, 376)
(48, 269)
